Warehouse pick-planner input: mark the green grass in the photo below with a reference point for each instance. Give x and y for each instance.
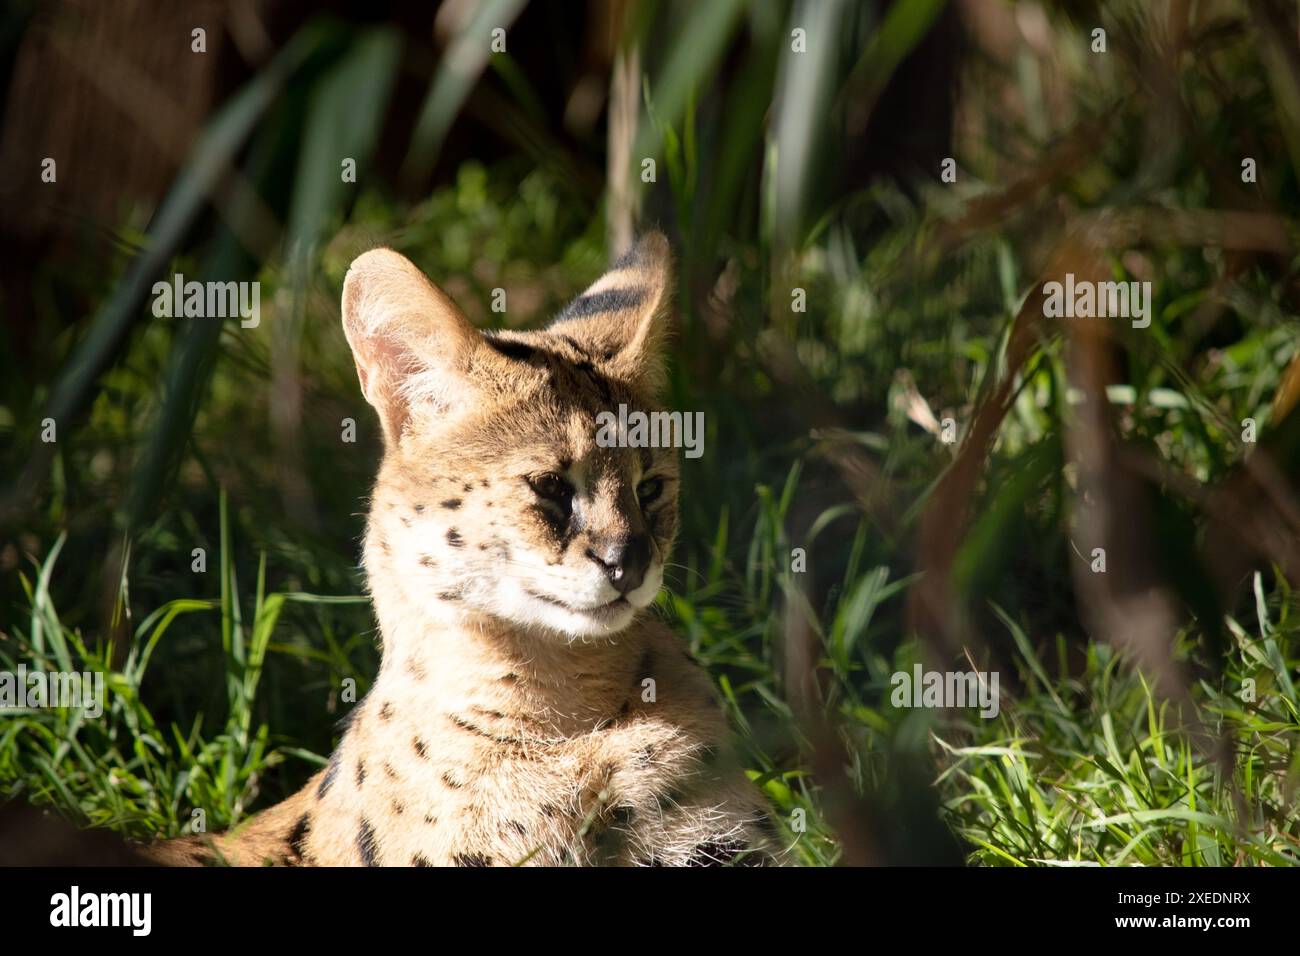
(1095, 769)
(123, 769)
(1085, 767)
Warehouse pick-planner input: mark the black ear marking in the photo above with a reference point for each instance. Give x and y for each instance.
(598, 303)
(634, 256)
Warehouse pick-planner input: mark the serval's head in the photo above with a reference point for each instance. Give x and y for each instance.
(494, 497)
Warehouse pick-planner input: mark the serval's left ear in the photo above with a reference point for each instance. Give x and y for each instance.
(623, 319)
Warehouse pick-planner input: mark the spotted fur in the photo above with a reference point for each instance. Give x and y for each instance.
(529, 707)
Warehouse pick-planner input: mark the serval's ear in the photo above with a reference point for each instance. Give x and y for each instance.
(622, 320)
(412, 345)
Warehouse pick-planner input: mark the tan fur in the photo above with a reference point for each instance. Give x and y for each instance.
(524, 711)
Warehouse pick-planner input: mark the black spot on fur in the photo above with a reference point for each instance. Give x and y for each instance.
(610, 300)
(574, 344)
(451, 595)
(398, 808)
(471, 859)
(583, 373)
(723, 853)
(419, 509)
(348, 719)
(420, 748)
(430, 819)
(331, 772)
(519, 351)
(622, 817)
(517, 827)
(451, 781)
(511, 678)
(420, 860)
(454, 539)
(386, 711)
(451, 503)
(298, 836)
(389, 772)
(473, 728)
(366, 843)
(427, 561)
(361, 772)
(467, 487)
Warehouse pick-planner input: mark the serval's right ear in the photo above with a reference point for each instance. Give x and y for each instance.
(411, 343)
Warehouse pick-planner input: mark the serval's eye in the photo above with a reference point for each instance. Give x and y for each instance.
(551, 487)
(649, 490)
